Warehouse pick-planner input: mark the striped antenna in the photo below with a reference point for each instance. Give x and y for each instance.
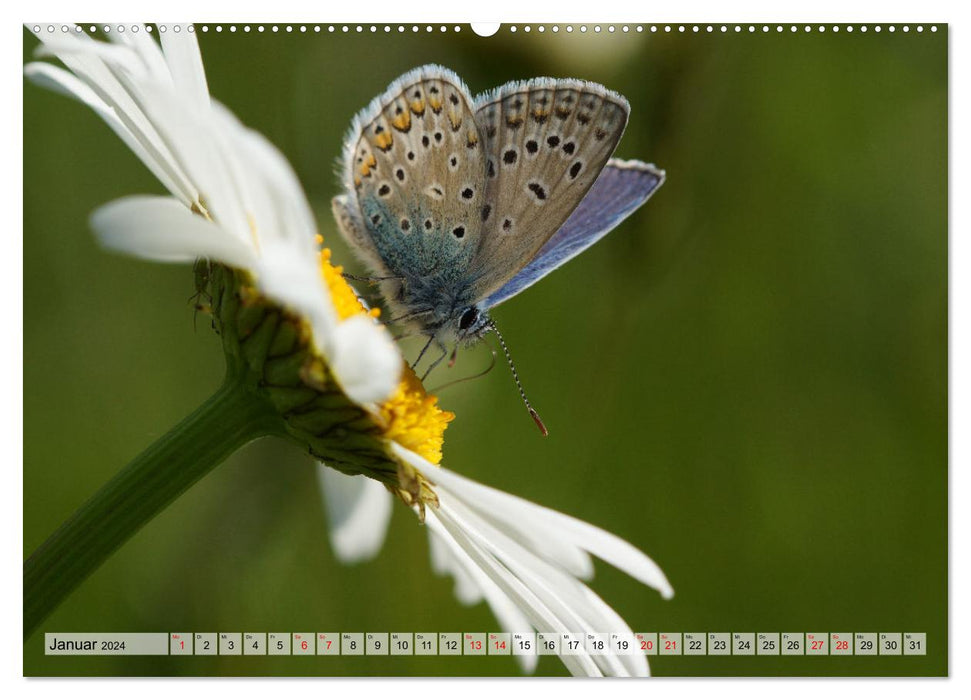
(532, 412)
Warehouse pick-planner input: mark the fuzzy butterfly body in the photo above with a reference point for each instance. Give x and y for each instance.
(457, 203)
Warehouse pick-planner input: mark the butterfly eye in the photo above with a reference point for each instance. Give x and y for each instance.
(470, 316)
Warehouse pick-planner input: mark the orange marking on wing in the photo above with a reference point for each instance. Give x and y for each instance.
(371, 162)
(402, 122)
(455, 119)
(384, 141)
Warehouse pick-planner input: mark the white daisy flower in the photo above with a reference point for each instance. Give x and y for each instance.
(235, 200)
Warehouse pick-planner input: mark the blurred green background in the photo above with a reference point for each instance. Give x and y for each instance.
(747, 380)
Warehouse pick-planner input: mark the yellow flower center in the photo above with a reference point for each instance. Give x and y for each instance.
(411, 416)
(414, 419)
(342, 294)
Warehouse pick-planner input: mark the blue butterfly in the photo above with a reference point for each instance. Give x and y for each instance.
(457, 203)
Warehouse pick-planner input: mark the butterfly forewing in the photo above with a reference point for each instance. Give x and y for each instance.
(546, 142)
(414, 163)
(623, 186)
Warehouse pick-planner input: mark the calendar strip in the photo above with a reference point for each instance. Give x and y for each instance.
(487, 644)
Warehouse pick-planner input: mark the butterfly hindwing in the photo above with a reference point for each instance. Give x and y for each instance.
(546, 142)
(414, 175)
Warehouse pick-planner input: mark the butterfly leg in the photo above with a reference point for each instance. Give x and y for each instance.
(369, 280)
(422, 353)
(408, 317)
(435, 364)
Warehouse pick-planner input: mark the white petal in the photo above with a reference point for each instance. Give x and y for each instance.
(161, 228)
(532, 607)
(65, 45)
(116, 88)
(523, 521)
(565, 595)
(359, 510)
(148, 51)
(612, 549)
(59, 80)
(636, 664)
(445, 563)
(286, 208)
(458, 563)
(536, 535)
(254, 187)
(365, 360)
(193, 137)
(598, 542)
(290, 277)
(185, 63)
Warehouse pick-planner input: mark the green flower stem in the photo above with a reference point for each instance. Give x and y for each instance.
(232, 417)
